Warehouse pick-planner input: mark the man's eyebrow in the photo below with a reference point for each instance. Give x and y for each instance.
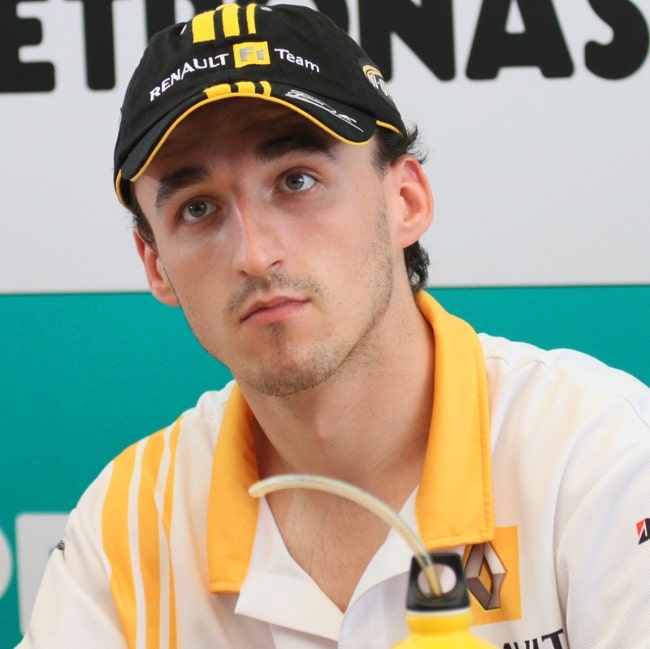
(177, 180)
(267, 151)
(277, 147)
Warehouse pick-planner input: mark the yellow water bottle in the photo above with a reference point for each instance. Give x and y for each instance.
(439, 621)
(436, 619)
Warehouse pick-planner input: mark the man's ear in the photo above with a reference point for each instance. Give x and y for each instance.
(159, 284)
(416, 200)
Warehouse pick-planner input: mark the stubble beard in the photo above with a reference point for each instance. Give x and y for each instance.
(287, 374)
(284, 372)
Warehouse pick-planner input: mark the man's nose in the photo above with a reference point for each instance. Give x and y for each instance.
(259, 249)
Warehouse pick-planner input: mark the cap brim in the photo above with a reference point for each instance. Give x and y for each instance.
(342, 122)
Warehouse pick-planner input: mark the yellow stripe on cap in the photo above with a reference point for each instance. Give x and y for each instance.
(246, 88)
(203, 27)
(251, 26)
(230, 20)
(389, 127)
(220, 90)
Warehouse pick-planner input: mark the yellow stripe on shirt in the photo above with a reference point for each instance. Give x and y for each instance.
(148, 538)
(167, 521)
(115, 534)
(145, 602)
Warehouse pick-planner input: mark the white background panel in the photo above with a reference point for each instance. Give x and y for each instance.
(537, 181)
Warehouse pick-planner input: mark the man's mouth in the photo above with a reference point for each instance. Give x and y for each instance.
(273, 309)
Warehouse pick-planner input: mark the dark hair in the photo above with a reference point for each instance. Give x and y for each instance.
(390, 147)
(140, 222)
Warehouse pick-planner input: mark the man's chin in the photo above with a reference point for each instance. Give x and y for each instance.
(287, 380)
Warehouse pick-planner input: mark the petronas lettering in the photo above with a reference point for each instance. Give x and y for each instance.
(426, 27)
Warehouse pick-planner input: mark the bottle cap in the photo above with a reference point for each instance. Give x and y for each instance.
(454, 599)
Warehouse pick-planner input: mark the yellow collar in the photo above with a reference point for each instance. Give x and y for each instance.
(454, 500)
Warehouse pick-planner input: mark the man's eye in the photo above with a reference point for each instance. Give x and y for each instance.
(298, 182)
(197, 210)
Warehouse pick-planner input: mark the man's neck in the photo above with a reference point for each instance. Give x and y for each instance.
(361, 426)
(370, 430)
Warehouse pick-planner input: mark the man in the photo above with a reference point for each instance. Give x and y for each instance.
(277, 202)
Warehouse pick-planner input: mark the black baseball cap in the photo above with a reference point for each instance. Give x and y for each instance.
(287, 54)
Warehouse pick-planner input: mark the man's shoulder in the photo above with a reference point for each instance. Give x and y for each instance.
(564, 368)
(208, 409)
(186, 444)
(193, 432)
(210, 405)
(534, 388)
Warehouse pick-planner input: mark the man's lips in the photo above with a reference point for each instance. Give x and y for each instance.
(272, 310)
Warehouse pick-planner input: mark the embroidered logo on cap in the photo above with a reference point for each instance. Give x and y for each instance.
(376, 80)
(251, 53)
(305, 97)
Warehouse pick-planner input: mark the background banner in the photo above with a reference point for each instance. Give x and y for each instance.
(535, 114)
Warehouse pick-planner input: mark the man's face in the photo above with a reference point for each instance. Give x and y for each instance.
(275, 239)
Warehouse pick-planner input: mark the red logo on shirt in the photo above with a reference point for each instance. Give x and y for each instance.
(643, 530)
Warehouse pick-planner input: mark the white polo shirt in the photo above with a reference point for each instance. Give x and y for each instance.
(537, 471)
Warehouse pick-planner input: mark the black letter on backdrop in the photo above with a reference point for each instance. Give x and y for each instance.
(541, 45)
(337, 10)
(161, 14)
(100, 44)
(16, 76)
(427, 30)
(627, 50)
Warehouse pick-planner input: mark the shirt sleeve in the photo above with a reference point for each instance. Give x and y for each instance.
(74, 607)
(571, 442)
(65, 615)
(603, 551)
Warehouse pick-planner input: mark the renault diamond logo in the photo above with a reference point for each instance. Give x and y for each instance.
(485, 574)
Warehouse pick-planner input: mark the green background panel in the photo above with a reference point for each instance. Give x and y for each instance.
(82, 376)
